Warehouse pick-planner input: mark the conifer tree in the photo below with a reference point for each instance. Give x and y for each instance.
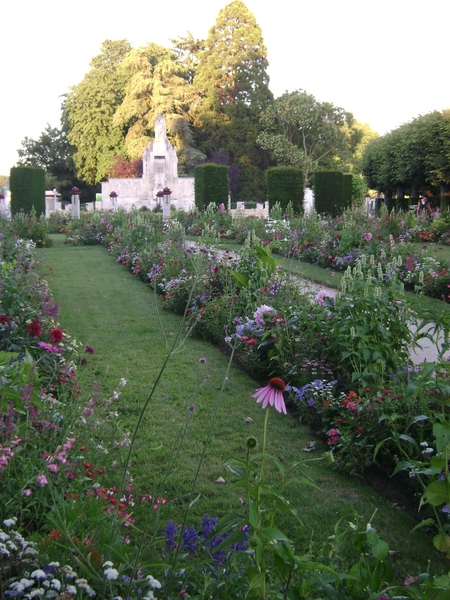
(233, 82)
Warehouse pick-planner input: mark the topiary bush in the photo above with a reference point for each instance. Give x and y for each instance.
(328, 192)
(211, 185)
(285, 185)
(27, 185)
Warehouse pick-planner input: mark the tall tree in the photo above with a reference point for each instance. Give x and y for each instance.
(233, 82)
(187, 50)
(90, 109)
(157, 83)
(302, 132)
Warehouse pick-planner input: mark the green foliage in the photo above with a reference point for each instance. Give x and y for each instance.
(155, 83)
(27, 185)
(285, 185)
(411, 158)
(301, 132)
(232, 81)
(328, 192)
(53, 152)
(358, 189)
(211, 185)
(90, 108)
(347, 189)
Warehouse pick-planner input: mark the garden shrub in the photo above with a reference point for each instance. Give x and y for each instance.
(27, 185)
(328, 192)
(211, 185)
(347, 190)
(285, 185)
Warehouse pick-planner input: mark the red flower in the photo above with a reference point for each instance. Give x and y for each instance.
(34, 329)
(4, 320)
(56, 336)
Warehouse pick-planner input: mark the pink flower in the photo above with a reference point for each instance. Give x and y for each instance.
(260, 312)
(272, 394)
(53, 468)
(367, 237)
(42, 480)
(321, 295)
(27, 492)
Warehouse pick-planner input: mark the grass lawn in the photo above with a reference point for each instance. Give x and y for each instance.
(106, 307)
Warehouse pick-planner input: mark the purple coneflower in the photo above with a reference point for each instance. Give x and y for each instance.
(272, 394)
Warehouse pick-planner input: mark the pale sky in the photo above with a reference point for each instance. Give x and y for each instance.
(386, 61)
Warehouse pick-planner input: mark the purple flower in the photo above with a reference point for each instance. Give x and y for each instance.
(49, 348)
(190, 537)
(51, 310)
(260, 312)
(321, 295)
(207, 525)
(89, 349)
(171, 532)
(202, 360)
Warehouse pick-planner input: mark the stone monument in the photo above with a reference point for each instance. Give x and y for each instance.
(159, 171)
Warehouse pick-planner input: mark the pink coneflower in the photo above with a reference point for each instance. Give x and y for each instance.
(272, 394)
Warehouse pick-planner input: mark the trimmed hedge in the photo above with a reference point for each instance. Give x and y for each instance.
(347, 190)
(284, 185)
(328, 192)
(211, 185)
(27, 185)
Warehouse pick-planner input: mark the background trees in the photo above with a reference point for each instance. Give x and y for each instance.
(53, 152)
(301, 132)
(91, 106)
(232, 81)
(218, 106)
(411, 159)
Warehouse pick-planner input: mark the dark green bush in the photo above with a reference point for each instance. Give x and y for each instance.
(27, 185)
(211, 185)
(347, 189)
(328, 192)
(284, 185)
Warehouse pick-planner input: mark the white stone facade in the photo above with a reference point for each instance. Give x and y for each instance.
(159, 170)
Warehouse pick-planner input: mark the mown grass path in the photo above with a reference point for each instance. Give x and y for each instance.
(106, 307)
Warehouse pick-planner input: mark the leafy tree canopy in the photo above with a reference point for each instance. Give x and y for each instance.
(411, 158)
(157, 83)
(90, 109)
(301, 132)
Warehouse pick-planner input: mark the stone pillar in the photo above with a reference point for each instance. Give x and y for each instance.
(166, 203)
(75, 203)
